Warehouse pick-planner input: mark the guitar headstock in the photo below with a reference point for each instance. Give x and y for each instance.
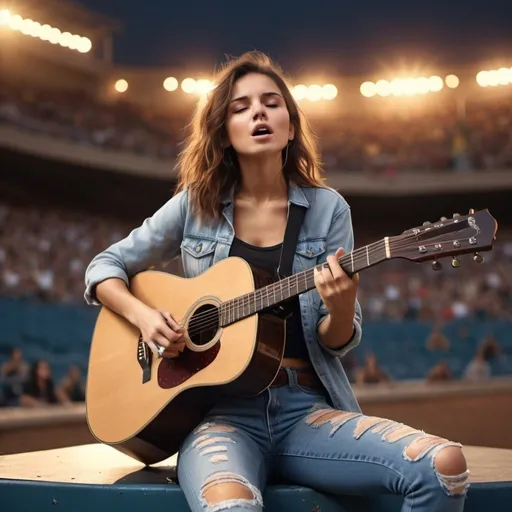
(462, 234)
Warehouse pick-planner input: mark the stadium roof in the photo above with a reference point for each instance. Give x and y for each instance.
(70, 9)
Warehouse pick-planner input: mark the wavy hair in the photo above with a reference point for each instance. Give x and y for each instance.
(208, 169)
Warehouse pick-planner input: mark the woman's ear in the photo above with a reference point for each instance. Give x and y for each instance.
(291, 132)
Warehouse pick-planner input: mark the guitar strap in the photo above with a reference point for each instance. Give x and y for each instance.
(296, 215)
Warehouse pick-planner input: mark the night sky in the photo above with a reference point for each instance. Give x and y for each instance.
(334, 36)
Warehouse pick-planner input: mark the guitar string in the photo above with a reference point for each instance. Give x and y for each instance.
(211, 318)
(261, 294)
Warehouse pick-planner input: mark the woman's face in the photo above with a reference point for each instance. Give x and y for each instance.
(258, 120)
(43, 370)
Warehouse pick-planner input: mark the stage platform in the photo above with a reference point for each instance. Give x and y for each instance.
(98, 478)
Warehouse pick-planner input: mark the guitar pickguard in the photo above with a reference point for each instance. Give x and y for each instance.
(173, 372)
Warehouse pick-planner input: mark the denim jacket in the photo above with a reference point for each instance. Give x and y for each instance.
(173, 228)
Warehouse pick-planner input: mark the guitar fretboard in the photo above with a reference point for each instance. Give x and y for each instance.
(241, 307)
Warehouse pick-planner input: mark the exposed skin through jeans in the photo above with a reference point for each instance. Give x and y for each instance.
(291, 434)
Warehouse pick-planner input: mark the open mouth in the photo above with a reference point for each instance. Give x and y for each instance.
(261, 131)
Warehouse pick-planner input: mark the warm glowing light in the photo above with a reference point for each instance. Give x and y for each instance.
(368, 89)
(5, 16)
(436, 83)
(299, 92)
(121, 85)
(29, 27)
(314, 93)
(170, 84)
(452, 81)
(188, 85)
(494, 77)
(383, 88)
(203, 86)
(329, 92)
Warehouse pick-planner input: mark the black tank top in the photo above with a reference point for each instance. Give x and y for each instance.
(267, 259)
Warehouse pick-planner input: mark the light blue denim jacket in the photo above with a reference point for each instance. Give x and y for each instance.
(327, 226)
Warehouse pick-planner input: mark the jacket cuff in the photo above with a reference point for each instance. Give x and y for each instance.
(352, 343)
(90, 290)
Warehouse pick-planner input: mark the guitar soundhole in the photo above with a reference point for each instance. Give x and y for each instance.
(204, 324)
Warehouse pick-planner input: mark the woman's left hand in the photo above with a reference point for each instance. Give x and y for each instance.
(337, 290)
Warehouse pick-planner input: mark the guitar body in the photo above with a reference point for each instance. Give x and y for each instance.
(148, 414)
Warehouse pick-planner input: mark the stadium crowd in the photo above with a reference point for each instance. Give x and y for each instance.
(46, 254)
(380, 140)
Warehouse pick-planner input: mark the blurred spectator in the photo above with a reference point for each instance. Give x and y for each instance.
(440, 372)
(44, 253)
(478, 368)
(371, 373)
(437, 340)
(72, 387)
(13, 374)
(39, 389)
(384, 140)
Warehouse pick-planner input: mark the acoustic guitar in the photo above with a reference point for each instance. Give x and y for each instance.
(145, 406)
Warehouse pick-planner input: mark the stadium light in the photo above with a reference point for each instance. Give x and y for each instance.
(494, 77)
(188, 85)
(452, 81)
(121, 85)
(314, 92)
(201, 86)
(170, 84)
(413, 86)
(31, 28)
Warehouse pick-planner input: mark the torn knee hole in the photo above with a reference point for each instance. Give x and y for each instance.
(421, 446)
(332, 416)
(225, 489)
(448, 461)
(452, 469)
(400, 433)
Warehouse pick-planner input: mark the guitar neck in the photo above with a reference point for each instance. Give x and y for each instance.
(241, 307)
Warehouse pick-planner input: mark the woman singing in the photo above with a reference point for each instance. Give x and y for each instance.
(248, 158)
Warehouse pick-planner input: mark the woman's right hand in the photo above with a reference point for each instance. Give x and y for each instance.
(159, 328)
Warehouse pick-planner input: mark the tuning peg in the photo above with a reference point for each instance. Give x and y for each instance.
(442, 219)
(427, 223)
(455, 215)
(455, 262)
(436, 265)
(471, 211)
(478, 258)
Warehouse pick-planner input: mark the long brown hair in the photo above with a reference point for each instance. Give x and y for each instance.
(208, 169)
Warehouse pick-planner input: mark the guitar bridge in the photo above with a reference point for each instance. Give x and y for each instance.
(144, 356)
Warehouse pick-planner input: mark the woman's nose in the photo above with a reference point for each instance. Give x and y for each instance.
(259, 112)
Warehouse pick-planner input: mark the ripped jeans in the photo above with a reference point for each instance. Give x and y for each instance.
(291, 434)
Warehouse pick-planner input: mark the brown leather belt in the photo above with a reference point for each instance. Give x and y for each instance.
(305, 377)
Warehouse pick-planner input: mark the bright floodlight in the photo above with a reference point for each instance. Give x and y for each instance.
(170, 84)
(45, 32)
(299, 92)
(329, 92)
(368, 89)
(452, 81)
(383, 88)
(121, 85)
(5, 16)
(314, 93)
(436, 83)
(188, 85)
(203, 86)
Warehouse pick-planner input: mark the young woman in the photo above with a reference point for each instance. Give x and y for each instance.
(250, 156)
